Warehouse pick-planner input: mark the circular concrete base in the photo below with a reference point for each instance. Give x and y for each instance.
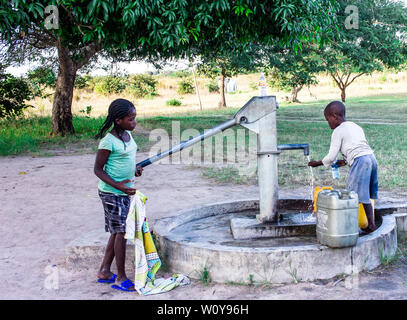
(200, 239)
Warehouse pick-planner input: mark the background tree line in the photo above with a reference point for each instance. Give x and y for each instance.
(290, 40)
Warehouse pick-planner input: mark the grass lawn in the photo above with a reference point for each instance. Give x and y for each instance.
(31, 136)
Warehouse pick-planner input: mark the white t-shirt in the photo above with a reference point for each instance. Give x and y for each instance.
(350, 140)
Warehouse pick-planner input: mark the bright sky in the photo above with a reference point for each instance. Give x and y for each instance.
(129, 68)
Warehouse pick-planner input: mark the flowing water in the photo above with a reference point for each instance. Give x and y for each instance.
(312, 178)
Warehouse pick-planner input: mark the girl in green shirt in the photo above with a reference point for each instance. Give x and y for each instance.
(115, 166)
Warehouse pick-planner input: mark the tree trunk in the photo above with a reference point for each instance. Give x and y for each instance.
(222, 102)
(196, 87)
(294, 93)
(343, 94)
(61, 108)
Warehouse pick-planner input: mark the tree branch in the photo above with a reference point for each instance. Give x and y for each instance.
(88, 52)
(337, 82)
(357, 76)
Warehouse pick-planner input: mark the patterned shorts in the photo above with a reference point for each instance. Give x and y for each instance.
(116, 208)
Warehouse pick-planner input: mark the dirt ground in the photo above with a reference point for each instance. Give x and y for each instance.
(49, 201)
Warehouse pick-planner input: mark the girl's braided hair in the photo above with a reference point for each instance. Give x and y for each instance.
(118, 109)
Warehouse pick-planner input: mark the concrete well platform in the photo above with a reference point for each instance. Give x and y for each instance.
(201, 238)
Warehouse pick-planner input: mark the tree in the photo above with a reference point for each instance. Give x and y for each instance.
(79, 30)
(291, 71)
(226, 64)
(13, 95)
(74, 32)
(372, 36)
(284, 26)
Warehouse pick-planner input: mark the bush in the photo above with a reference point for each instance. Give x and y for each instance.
(180, 74)
(13, 94)
(173, 102)
(41, 78)
(185, 86)
(83, 82)
(213, 86)
(143, 85)
(254, 85)
(111, 84)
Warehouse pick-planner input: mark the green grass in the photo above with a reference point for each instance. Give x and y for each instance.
(31, 136)
(385, 140)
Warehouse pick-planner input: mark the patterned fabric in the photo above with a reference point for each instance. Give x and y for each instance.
(147, 262)
(116, 209)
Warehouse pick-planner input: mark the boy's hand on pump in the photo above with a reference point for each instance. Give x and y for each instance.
(127, 190)
(341, 163)
(315, 163)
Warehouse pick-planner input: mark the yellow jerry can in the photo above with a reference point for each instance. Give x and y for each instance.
(362, 215)
(316, 191)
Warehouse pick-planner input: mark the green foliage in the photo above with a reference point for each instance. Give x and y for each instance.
(254, 85)
(173, 102)
(377, 41)
(155, 30)
(288, 69)
(41, 78)
(13, 94)
(83, 82)
(86, 111)
(111, 84)
(180, 74)
(185, 86)
(205, 276)
(213, 86)
(142, 85)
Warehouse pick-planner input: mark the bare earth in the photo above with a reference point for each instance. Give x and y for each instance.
(48, 201)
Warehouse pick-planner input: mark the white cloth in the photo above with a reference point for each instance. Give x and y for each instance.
(350, 140)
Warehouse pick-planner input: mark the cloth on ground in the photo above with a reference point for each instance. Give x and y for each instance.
(147, 262)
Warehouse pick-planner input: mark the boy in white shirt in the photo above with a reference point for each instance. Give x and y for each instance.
(350, 140)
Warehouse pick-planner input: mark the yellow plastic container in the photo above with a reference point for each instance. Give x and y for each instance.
(363, 223)
(362, 220)
(316, 191)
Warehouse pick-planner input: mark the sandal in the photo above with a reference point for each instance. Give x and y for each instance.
(111, 280)
(124, 286)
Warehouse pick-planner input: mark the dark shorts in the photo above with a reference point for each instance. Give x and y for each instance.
(116, 210)
(363, 178)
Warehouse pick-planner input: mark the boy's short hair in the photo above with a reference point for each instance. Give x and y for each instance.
(336, 107)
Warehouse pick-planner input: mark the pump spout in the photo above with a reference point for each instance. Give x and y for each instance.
(295, 146)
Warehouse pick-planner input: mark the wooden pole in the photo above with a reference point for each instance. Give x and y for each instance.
(196, 87)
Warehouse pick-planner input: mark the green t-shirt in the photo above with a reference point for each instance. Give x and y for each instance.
(121, 163)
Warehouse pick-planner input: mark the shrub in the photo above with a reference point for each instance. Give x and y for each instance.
(111, 84)
(13, 94)
(180, 74)
(41, 78)
(88, 110)
(213, 86)
(83, 82)
(185, 86)
(254, 85)
(173, 102)
(142, 85)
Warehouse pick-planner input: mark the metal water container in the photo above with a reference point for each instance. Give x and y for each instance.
(337, 218)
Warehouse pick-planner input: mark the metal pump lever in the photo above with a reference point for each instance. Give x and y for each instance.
(247, 116)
